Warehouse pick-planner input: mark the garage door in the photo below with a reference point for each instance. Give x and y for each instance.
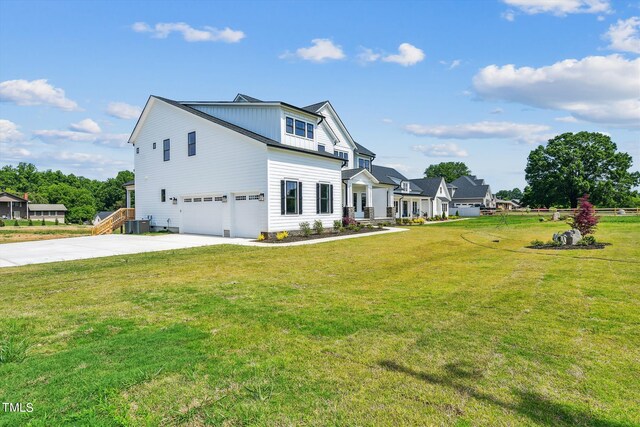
(202, 215)
(249, 217)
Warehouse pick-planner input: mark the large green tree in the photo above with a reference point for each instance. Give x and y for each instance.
(573, 164)
(516, 193)
(449, 170)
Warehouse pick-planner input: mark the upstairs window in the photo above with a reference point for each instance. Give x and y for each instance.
(364, 163)
(405, 186)
(341, 154)
(300, 128)
(289, 125)
(321, 148)
(191, 143)
(309, 130)
(166, 147)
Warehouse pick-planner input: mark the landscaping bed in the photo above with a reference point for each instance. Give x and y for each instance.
(555, 247)
(301, 238)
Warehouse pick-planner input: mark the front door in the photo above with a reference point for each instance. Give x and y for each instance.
(405, 208)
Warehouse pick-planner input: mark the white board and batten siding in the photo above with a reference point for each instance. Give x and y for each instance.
(343, 143)
(310, 170)
(293, 139)
(263, 120)
(226, 162)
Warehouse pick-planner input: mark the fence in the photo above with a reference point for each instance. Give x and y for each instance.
(547, 211)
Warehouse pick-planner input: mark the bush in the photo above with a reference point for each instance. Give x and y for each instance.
(380, 225)
(541, 219)
(1, 222)
(347, 221)
(369, 227)
(305, 228)
(337, 225)
(419, 221)
(318, 227)
(260, 237)
(57, 222)
(42, 222)
(537, 242)
(282, 235)
(589, 240)
(16, 223)
(584, 219)
(30, 222)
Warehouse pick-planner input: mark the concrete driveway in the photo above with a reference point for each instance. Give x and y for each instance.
(42, 251)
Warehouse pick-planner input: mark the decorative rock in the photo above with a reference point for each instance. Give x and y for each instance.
(570, 237)
(555, 217)
(621, 212)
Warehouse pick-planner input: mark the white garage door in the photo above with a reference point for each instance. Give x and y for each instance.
(202, 215)
(248, 215)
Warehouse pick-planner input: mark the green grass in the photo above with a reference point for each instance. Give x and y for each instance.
(450, 324)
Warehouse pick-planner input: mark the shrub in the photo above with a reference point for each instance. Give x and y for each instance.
(1, 222)
(318, 227)
(380, 225)
(16, 223)
(369, 227)
(419, 221)
(347, 221)
(260, 237)
(57, 222)
(589, 240)
(305, 228)
(537, 242)
(337, 225)
(42, 222)
(282, 235)
(30, 222)
(584, 219)
(541, 219)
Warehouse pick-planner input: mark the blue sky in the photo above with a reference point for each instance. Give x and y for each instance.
(418, 83)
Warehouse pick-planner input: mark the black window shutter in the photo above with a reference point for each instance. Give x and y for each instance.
(300, 198)
(282, 197)
(317, 198)
(331, 196)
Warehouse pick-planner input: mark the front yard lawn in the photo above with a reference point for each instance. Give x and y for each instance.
(451, 324)
(26, 233)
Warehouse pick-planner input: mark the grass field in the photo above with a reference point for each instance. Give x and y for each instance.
(25, 233)
(450, 324)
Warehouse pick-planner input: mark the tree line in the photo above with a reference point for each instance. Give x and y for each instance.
(569, 166)
(83, 197)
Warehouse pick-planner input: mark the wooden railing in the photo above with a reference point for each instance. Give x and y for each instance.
(113, 221)
(547, 211)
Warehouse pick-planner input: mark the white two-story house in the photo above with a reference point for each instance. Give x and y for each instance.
(248, 166)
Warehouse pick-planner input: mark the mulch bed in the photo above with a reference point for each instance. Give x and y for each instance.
(571, 247)
(290, 239)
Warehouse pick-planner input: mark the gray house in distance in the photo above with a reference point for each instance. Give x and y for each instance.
(48, 212)
(12, 206)
(470, 191)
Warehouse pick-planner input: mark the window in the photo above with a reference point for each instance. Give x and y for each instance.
(137, 150)
(309, 130)
(218, 198)
(254, 197)
(405, 208)
(163, 195)
(355, 201)
(364, 163)
(324, 201)
(363, 201)
(187, 200)
(166, 147)
(241, 197)
(405, 186)
(300, 128)
(415, 208)
(321, 148)
(154, 145)
(191, 143)
(197, 199)
(289, 125)
(341, 154)
(207, 199)
(290, 197)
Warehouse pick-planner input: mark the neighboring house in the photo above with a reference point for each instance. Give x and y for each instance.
(506, 205)
(248, 166)
(471, 191)
(100, 216)
(48, 212)
(12, 206)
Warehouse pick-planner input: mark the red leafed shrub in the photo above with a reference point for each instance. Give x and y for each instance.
(584, 218)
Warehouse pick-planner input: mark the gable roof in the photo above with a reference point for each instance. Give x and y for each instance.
(47, 207)
(314, 108)
(239, 97)
(255, 136)
(351, 173)
(103, 214)
(429, 186)
(360, 149)
(469, 187)
(386, 175)
(8, 197)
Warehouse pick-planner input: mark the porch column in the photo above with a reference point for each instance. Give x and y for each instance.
(368, 210)
(390, 209)
(128, 198)
(348, 211)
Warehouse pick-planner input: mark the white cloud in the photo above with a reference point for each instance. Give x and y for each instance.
(321, 50)
(624, 35)
(388, 121)
(190, 34)
(367, 55)
(497, 111)
(441, 150)
(559, 7)
(9, 131)
(566, 119)
(521, 132)
(35, 92)
(407, 55)
(123, 110)
(509, 15)
(86, 125)
(600, 89)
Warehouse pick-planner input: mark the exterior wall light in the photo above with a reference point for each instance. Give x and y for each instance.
(224, 199)
(261, 197)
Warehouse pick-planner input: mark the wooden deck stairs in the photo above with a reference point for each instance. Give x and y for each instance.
(113, 221)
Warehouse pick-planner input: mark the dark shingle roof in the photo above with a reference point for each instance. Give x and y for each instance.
(47, 207)
(267, 141)
(103, 214)
(128, 183)
(350, 173)
(313, 108)
(429, 186)
(469, 188)
(385, 175)
(364, 150)
(248, 98)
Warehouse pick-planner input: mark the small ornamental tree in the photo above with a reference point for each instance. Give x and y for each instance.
(584, 219)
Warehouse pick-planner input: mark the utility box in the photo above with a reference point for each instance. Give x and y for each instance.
(138, 226)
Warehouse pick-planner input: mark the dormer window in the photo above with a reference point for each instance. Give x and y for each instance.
(299, 128)
(405, 186)
(364, 163)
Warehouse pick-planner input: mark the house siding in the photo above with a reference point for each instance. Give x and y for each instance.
(284, 164)
(261, 120)
(225, 163)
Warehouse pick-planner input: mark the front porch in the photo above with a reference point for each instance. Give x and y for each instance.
(366, 199)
